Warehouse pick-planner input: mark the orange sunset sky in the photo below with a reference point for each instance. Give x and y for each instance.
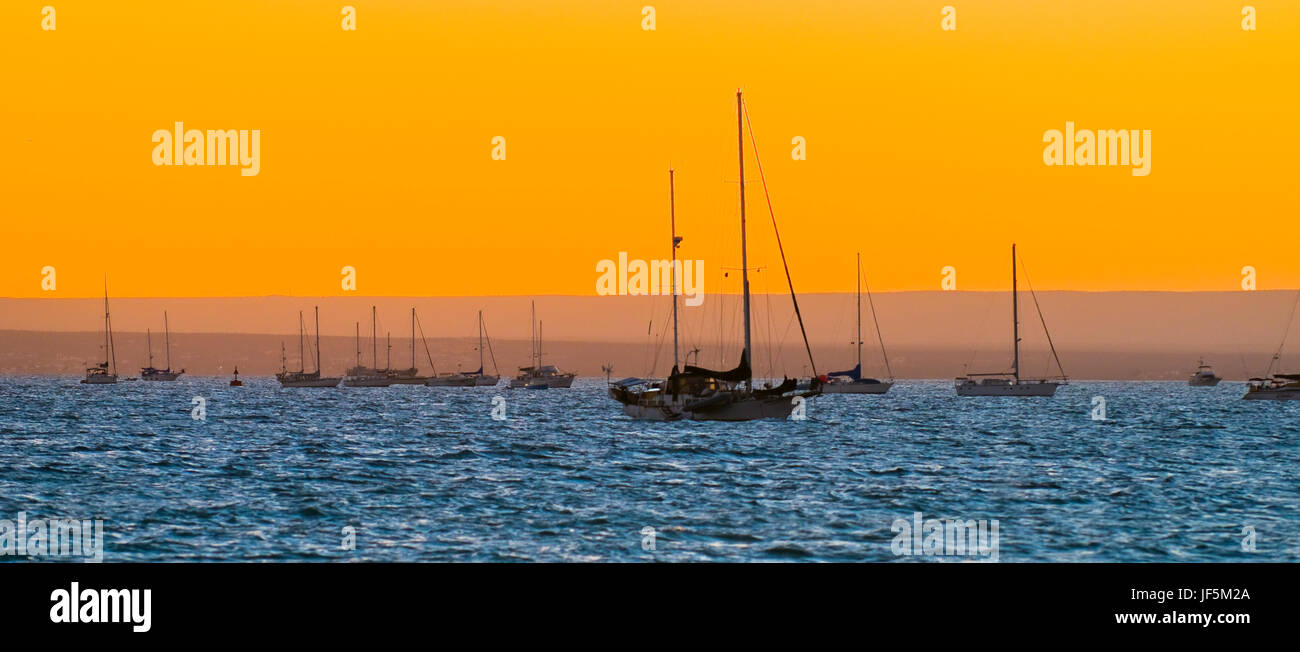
(924, 147)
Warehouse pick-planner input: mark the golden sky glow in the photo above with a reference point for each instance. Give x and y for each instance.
(924, 147)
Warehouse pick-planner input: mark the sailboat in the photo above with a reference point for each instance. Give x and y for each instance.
(1276, 387)
(371, 376)
(481, 379)
(851, 381)
(703, 394)
(1204, 376)
(538, 375)
(1011, 384)
(152, 373)
(302, 377)
(474, 378)
(104, 373)
(412, 375)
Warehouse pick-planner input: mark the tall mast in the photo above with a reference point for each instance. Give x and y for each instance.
(532, 339)
(480, 340)
(167, 338)
(148, 343)
(302, 357)
(106, 349)
(374, 341)
(388, 362)
(358, 345)
(110, 356)
(859, 312)
(412, 337)
(672, 213)
(1015, 319)
(744, 257)
(318, 340)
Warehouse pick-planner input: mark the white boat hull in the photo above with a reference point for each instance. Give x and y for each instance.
(1013, 389)
(856, 388)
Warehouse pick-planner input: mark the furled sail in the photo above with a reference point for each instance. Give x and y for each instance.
(855, 373)
(739, 374)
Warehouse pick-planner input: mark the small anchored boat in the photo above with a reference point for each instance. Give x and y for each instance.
(851, 381)
(1204, 376)
(104, 373)
(1011, 384)
(1271, 386)
(302, 377)
(151, 372)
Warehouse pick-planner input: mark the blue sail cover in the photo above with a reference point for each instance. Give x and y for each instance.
(855, 373)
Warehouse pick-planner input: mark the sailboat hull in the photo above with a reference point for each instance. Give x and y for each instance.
(159, 374)
(745, 409)
(99, 379)
(310, 380)
(451, 381)
(486, 381)
(1044, 390)
(1281, 394)
(856, 388)
(564, 381)
(411, 380)
(382, 381)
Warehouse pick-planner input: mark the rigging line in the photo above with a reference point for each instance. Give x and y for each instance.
(493, 355)
(876, 321)
(793, 299)
(427, 354)
(1041, 318)
(1286, 332)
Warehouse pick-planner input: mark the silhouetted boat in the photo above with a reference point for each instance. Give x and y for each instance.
(1276, 387)
(1204, 376)
(537, 374)
(704, 394)
(1011, 384)
(372, 376)
(104, 373)
(412, 375)
(302, 377)
(851, 381)
(152, 373)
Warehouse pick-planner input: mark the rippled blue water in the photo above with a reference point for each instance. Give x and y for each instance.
(424, 474)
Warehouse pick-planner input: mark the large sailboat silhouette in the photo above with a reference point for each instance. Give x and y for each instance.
(703, 394)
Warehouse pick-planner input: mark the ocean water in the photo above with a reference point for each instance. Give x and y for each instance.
(426, 474)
